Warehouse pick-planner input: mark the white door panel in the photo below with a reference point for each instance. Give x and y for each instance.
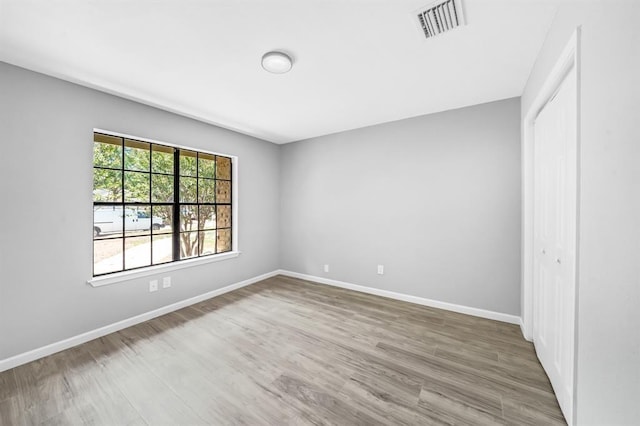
(555, 178)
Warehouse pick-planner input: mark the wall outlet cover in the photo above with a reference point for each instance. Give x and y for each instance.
(153, 285)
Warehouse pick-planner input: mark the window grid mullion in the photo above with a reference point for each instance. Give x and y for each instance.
(124, 222)
(150, 207)
(176, 207)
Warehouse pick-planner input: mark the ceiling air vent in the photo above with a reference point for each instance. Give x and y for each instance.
(440, 17)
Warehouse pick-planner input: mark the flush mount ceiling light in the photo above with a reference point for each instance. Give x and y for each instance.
(276, 62)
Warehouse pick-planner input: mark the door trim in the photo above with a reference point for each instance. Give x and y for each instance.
(568, 59)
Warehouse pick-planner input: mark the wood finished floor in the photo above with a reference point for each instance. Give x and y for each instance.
(286, 351)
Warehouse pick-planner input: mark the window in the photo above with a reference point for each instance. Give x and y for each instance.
(156, 204)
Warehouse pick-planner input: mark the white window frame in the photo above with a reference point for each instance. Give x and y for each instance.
(118, 277)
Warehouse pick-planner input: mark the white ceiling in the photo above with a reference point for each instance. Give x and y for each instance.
(356, 62)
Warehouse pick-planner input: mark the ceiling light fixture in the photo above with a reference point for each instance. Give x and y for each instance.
(276, 62)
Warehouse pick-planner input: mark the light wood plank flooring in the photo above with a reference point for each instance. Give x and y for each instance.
(286, 351)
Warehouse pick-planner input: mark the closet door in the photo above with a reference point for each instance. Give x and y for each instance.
(555, 220)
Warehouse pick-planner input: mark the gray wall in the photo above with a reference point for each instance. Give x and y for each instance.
(435, 199)
(608, 356)
(46, 190)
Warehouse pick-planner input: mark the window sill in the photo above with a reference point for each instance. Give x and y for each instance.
(159, 269)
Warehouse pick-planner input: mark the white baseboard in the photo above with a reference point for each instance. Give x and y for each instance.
(523, 331)
(52, 348)
(498, 316)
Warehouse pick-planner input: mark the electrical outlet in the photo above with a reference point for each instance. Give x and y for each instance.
(153, 285)
(326, 268)
(166, 282)
(380, 269)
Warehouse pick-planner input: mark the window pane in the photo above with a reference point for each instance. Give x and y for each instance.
(107, 185)
(188, 189)
(188, 244)
(206, 190)
(223, 191)
(162, 219)
(161, 188)
(137, 220)
(224, 240)
(188, 163)
(136, 187)
(107, 221)
(136, 155)
(162, 159)
(188, 218)
(107, 256)
(223, 168)
(107, 151)
(207, 217)
(207, 243)
(162, 248)
(137, 252)
(206, 165)
(224, 216)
